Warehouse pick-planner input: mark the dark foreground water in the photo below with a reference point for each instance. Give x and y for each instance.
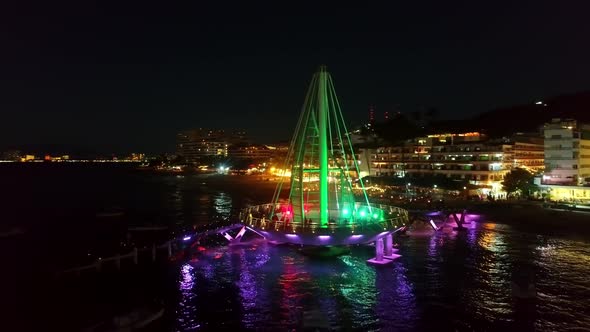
(443, 281)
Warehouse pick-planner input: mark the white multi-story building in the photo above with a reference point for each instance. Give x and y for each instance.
(567, 153)
(465, 157)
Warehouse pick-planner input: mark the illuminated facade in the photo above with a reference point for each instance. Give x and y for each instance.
(465, 156)
(568, 193)
(258, 153)
(196, 144)
(567, 153)
(136, 157)
(12, 155)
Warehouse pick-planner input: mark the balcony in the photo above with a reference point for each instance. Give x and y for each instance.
(453, 171)
(558, 148)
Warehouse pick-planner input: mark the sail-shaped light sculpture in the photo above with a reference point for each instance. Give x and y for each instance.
(321, 207)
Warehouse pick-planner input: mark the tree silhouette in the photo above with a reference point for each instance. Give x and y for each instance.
(398, 129)
(519, 181)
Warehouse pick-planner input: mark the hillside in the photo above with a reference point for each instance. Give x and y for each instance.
(523, 118)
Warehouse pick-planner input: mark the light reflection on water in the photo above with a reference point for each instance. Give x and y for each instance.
(444, 280)
(186, 306)
(448, 280)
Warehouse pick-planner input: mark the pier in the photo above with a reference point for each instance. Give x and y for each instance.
(119, 260)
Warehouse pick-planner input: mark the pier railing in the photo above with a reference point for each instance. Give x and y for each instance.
(259, 216)
(117, 259)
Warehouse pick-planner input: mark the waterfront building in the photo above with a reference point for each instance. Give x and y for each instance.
(278, 152)
(567, 153)
(12, 155)
(469, 157)
(197, 144)
(567, 161)
(136, 157)
(256, 153)
(529, 152)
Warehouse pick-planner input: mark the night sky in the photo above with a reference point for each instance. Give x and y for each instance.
(126, 77)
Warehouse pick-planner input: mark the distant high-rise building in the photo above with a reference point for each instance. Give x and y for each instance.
(196, 144)
(386, 116)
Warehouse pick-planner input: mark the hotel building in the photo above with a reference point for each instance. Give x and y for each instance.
(468, 157)
(567, 160)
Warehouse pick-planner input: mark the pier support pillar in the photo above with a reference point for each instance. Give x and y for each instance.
(98, 265)
(459, 222)
(379, 249)
(389, 249)
(239, 235)
(135, 254)
(388, 245)
(154, 252)
(379, 259)
(169, 249)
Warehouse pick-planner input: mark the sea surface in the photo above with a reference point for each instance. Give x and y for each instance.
(446, 280)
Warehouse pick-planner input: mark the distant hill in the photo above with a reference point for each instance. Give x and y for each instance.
(523, 118)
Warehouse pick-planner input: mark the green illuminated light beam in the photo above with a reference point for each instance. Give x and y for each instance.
(323, 134)
(321, 142)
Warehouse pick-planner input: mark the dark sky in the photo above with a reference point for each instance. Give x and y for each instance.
(127, 76)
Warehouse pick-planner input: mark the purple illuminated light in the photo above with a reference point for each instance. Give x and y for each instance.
(354, 237)
(433, 224)
(324, 237)
(187, 238)
(292, 235)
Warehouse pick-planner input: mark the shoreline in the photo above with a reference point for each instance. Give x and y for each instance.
(520, 214)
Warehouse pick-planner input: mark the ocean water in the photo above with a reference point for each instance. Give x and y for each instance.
(446, 280)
